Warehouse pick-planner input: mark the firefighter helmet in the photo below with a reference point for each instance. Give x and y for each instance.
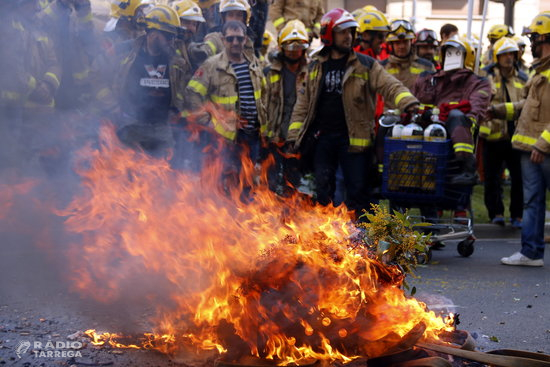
(504, 45)
(373, 20)
(520, 41)
(498, 31)
(239, 5)
(294, 31)
(267, 39)
(205, 4)
(163, 18)
(400, 29)
(335, 20)
(462, 43)
(540, 24)
(426, 37)
(188, 10)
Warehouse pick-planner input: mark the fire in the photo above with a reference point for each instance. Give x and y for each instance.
(272, 278)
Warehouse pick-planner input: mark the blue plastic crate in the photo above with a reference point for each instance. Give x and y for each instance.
(415, 170)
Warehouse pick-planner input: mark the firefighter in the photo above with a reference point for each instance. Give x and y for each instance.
(521, 45)
(285, 77)
(506, 86)
(267, 43)
(495, 33)
(532, 138)
(426, 46)
(213, 44)
(149, 83)
(462, 97)
(373, 28)
(231, 84)
(211, 13)
(308, 12)
(403, 64)
(190, 18)
(123, 24)
(333, 119)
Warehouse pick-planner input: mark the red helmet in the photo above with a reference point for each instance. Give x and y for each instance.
(335, 20)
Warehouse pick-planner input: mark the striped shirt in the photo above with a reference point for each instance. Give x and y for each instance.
(248, 113)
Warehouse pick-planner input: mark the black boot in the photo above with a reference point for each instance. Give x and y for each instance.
(468, 172)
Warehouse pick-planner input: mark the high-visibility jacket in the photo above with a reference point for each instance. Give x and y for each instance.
(533, 128)
(213, 45)
(309, 12)
(503, 90)
(215, 81)
(363, 78)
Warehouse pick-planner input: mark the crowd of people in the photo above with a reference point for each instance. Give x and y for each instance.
(158, 69)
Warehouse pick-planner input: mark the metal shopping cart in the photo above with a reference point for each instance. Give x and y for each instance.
(416, 175)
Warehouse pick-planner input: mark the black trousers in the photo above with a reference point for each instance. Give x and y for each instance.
(496, 156)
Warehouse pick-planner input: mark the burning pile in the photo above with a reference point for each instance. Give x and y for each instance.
(274, 278)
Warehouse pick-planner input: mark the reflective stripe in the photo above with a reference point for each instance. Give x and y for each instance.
(54, 77)
(102, 93)
(380, 167)
(484, 130)
(481, 91)
(274, 78)
(402, 95)
(518, 85)
(393, 71)
(546, 73)
(264, 81)
(523, 139)
(231, 135)
(509, 111)
(263, 128)
(358, 142)
(270, 134)
(212, 47)
(82, 75)
(43, 39)
(257, 94)
(364, 76)
(414, 70)
(463, 147)
(12, 96)
(495, 136)
(179, 96)
(313, 74)
(17, 26)
(184, 113)
(126, 60)
(497, 85)
(277, 22)
(31, 83)
(317, 25)
(546, 136)
(222, 100)
(295, 126)
(197, 87)
(30, 104)
(424, 105)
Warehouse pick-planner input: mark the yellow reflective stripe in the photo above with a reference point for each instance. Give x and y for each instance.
(274, 78)
(497, 85)
(31, 83)
(495, 136)
(277, 22)
(54, 77)
(263, 128)
(518, 85)
(102, 93)
(546, 136)
(295, 126)
(13, 96)
(82, 75)
(393, 71)
(364, 76)
(18, 26)
(484, 130)
(414, 70)
(212, 47)
(424, 105)
(546, 73)
(126, 60)
(317, 25)
(358, 142)
(264, 82)
(178, 51)
(30, 104)
(313, 74)
(231, 135)
(270, 134)
(257, 94)
(179, 96)
(380, 167)
(184, 114)
(452, 102)
(509, 111)
(223, 100)
(481, 91)
(523, 139)
(463, 147)
(43, 39)
(197, 87)
(402, 95)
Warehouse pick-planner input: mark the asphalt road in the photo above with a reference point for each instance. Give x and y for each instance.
(503, 307)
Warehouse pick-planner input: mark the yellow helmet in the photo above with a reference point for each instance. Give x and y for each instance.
(400, 29)
(357, 13)
(163, 18)
(540, 24)
(205, 4)
(474, 39)
(368, 8)
(463, 44)
(498, 31)
(126, 8)
(519, 40)
(267, 38)
(241, 5)
(504, 45)
(294, 30)
(189, 10)
(373, 20)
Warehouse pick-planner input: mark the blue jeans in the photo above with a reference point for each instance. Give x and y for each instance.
(536, 180)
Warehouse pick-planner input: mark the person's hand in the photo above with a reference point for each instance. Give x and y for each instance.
(413, 108)
(537, 157)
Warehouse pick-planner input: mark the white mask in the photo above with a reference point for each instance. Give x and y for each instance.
(454, 59)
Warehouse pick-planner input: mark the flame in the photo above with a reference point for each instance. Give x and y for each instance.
(267, 277)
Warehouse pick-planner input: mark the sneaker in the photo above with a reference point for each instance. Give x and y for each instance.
(498, 220)
(516, 223)
(519, 259)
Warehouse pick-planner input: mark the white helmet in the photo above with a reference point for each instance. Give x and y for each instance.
(412, 131)
(396, 131)
(435, 132)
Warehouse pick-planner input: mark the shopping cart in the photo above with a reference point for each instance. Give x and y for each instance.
(417, 175)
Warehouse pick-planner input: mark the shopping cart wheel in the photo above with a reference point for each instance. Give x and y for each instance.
(466, 247)
(424, 258)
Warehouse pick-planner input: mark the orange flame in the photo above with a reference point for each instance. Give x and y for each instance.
(272, 278)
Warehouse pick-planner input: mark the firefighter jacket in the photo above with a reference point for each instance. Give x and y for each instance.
(213, 45)
(308, 12)
(363, 79)
(215, 81)
(177, 69)
(533, 127)
(433, 89)
(274, 97)
(406, 70)
(503, 90)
